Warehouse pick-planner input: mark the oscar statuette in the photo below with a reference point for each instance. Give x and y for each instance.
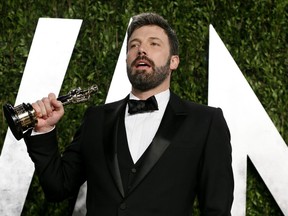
(21, 118)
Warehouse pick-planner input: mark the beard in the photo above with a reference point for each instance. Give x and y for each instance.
(143, 80)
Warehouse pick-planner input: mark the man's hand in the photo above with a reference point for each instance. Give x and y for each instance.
(48, 111)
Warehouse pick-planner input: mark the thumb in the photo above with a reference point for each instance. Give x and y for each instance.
(54, 102)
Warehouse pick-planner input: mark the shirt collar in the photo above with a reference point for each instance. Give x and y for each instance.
(162, 98)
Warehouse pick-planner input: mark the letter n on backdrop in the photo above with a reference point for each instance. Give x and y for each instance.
(253, 134)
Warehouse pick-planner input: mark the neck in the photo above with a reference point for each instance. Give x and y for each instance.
(143, 95)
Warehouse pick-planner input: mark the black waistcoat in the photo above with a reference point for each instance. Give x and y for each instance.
(127, 167)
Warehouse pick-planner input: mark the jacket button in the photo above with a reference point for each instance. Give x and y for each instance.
(123, 206)
(133, 170)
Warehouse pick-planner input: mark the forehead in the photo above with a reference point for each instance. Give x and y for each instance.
(148, 32)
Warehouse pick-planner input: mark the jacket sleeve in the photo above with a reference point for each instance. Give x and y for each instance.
(216, 181)
(60, 176)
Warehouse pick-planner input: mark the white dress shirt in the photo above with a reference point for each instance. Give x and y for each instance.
(142, 127)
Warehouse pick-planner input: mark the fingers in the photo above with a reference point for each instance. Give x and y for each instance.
(44, 108)
(48, 112)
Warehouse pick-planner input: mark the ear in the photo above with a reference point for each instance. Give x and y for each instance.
(174, 62)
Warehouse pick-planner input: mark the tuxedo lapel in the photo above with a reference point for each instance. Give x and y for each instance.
(172, 119)
(111, 126)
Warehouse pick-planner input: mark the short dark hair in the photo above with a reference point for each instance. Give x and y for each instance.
(145, 19)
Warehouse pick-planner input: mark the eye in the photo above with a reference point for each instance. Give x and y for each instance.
(133, 45)
(155, 44)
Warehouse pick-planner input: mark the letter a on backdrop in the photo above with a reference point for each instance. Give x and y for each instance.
(253, 133)
(119, 88)
(44, 72)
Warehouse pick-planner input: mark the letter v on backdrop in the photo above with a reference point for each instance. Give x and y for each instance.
(44, 72)
(253, 133)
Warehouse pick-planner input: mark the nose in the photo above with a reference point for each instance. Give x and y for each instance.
(142, 51)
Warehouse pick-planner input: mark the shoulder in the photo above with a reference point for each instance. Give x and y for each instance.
(192, 107)
(105, 108)
(195, 112)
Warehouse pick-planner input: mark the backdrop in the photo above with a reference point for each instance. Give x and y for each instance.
(255, 32)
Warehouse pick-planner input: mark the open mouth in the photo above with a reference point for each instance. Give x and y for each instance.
(142, 65)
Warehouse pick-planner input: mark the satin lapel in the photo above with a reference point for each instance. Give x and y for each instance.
(172, 119)
(110, 141)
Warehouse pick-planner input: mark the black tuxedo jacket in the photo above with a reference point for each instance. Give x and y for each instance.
(189, 156)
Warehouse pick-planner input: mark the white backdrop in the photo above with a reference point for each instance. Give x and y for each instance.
(253, 133)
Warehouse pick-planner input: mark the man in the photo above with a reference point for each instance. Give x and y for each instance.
(151, 162)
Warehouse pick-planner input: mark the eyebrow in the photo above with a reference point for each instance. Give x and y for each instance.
(150, 38)
(135, 39)
(155, 38)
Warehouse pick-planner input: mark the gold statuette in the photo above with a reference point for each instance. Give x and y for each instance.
(23, 117)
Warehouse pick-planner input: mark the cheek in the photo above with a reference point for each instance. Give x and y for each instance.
(128, 60)
(160, 60)
(130, 57)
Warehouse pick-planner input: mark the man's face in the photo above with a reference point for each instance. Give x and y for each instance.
(148, 57)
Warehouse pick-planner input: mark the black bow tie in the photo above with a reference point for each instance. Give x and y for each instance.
(140, 106)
